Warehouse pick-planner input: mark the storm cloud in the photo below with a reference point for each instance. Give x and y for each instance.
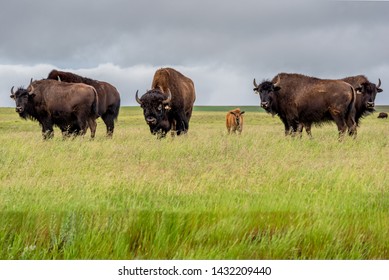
(221, 45)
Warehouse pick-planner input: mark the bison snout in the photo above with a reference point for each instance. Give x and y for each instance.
(264, 104)
(370, 104)
(19, 109)
(151, 120)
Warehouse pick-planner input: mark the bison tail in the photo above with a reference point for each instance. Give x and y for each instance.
(95, 104)
(351, 106)
(116, 111)
(351, 110)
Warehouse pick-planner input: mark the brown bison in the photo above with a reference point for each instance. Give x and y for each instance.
(365, 98)
(109, 97)
(169, 103)
(382, 115)
(234, 121)
(298, 99)
(65, 105)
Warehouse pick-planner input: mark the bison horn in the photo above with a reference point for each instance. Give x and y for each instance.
(31, 91)
(59, 79)
(31, 81)
(278, 81)
(137, 98)
(255, 84)
(12, 90)
(168, 99)
(277, 84)
(379, 83)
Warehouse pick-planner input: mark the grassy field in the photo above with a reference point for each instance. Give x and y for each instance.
(205, 195)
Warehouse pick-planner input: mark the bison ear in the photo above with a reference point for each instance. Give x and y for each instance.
(242, 112)
(12, 96)
(277, 88)
(255, 90)
(32, 94)
(379, 89)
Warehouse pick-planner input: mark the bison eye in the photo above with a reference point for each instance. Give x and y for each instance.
(159, 107)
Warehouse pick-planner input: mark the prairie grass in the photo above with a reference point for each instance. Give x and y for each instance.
(205, 195)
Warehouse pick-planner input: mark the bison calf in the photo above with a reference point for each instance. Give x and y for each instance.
(234, 121)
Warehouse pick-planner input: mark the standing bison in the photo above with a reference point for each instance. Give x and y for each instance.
(382, 115)
(65, 105)
(299, 99)
(109, 97)
(234, 121)
(169, 103)
(365, 98)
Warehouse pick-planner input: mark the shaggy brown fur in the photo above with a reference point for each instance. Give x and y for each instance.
(176, 113)
(234, 121)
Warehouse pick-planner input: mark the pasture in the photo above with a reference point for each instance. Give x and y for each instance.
(205, 195)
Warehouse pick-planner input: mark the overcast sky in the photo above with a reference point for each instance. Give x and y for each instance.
(221, 45)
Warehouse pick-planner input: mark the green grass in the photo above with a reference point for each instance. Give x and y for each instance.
(205, 195)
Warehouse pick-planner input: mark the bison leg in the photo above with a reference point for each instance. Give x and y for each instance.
(352, 129)
(341, 124)
(109, 121)
(295, 127)
(182, 126)
(47, 129)
(65, 132)
(286, 126)
(92, 125)
(308, 127)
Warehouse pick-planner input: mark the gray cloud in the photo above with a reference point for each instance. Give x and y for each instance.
(221, 45)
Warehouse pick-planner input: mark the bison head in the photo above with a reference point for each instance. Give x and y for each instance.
(155, 107)
(237, 115)
(267, 93)
(367, 93)
(23, 100)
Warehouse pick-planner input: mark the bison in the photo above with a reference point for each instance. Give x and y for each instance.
(365, 98)
(169, 103)
(109, 97)
(65, 105)
(234, 121)
(382, 115)
(298, 99)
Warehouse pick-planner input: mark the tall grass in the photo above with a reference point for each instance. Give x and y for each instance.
(205, 195)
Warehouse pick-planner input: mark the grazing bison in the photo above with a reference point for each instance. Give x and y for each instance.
(169, 103)
(234, 121)
(382, 115)
(299, 99)
(109, 97)
(365, 98)
(65, 105)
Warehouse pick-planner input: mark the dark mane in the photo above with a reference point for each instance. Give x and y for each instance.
(152, 96)
(265, 85)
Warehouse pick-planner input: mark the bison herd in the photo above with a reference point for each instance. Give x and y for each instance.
(73, 103)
